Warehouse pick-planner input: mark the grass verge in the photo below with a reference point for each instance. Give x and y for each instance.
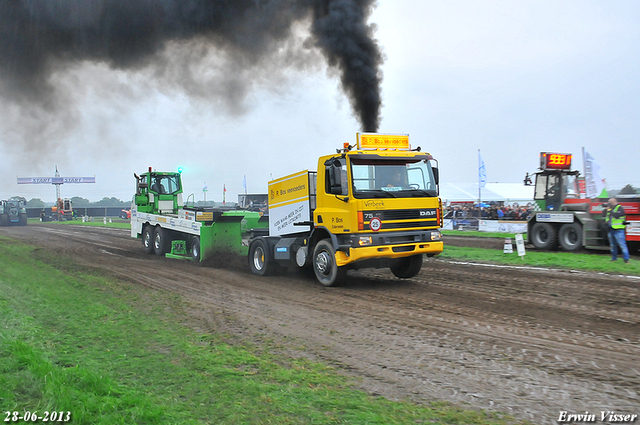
(98, 222)
(73, 340)
(558, 259)
(481, 234)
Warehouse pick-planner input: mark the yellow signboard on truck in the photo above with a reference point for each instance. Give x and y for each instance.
(289, 203)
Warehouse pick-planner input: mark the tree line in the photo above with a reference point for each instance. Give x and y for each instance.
(81, 202)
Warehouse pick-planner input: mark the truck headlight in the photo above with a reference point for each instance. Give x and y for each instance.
(365, 240)
(436, 236)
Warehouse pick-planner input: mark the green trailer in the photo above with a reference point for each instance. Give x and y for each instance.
(168, 227)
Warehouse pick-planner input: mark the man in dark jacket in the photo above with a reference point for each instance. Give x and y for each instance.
(614, 217)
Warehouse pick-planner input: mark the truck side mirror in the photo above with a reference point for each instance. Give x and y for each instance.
(436, 174)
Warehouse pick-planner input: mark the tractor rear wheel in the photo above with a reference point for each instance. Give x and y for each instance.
(570, 236)
(544, 236)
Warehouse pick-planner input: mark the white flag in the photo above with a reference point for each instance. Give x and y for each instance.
(594, 183)
(482, 172)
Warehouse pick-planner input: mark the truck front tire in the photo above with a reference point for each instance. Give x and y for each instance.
(570, 236)
(543, 236)
(407, 267)
(324, 264)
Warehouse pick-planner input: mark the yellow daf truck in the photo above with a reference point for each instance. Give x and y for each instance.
(374, 204)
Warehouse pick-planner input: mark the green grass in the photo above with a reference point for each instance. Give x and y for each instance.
(481, 234)
(110, 352)
(97, 222)
(563, 260)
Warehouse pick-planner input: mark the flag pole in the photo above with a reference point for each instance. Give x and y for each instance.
(479, 183)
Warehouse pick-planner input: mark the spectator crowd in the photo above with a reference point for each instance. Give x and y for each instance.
(492, 212)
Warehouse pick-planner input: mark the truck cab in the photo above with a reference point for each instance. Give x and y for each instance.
(372, 205)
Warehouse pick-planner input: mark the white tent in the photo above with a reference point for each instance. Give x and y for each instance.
(508, 193)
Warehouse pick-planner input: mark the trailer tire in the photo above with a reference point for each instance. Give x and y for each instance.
(324, 264)
(258, 260)
(161, 241)
(147, 239)
(195, 248)
(544, 236)
(407, 267)
(570, 236)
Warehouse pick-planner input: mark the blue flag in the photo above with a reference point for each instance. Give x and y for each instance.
(482, 172)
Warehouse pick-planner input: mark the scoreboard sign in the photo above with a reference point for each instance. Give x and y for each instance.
(555, 161)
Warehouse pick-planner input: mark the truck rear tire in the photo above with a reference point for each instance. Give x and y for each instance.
(570, 236)
(195, 248)
(544, 236)
(407, 267)
(161, 241)
(147, 239)
(324, 264)
(258, 261)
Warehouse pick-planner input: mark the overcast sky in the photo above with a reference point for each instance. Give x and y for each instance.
(511, 78)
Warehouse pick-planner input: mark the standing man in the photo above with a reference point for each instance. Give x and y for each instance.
(615, 217)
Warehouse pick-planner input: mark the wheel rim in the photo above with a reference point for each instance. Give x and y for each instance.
(195, 251)
(156, 241)
(147, 240)
(258, 258)
(323, 262)
(543, 236)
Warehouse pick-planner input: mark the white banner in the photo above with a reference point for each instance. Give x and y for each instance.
(55, 180)
(501, 226)
(594, 183)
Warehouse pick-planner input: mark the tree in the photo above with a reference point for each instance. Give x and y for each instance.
(80, 202)
(628, 190)
(35, 203)
(110, 202)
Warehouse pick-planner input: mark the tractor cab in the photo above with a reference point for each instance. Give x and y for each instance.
(158, 192)
(555, 182)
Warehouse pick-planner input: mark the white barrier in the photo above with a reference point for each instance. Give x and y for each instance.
(497, 226)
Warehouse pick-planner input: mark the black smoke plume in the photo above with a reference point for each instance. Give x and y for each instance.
(41, 37)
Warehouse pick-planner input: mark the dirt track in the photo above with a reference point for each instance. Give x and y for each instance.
(528, 342)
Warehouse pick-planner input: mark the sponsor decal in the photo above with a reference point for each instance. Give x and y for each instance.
(427, 213)
(373, 203)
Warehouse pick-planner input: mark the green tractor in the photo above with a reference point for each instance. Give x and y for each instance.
(13, 211)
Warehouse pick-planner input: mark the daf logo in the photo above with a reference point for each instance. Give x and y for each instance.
(427, 213)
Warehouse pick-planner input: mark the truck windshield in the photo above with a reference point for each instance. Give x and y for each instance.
(397, 179)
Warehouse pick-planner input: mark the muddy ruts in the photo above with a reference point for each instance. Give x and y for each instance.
(39, 37)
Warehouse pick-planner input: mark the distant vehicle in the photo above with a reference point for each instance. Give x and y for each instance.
(13, 211)
(125, 214)
(565, 219)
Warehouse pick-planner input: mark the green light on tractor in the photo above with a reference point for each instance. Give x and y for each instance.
(180, 170)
